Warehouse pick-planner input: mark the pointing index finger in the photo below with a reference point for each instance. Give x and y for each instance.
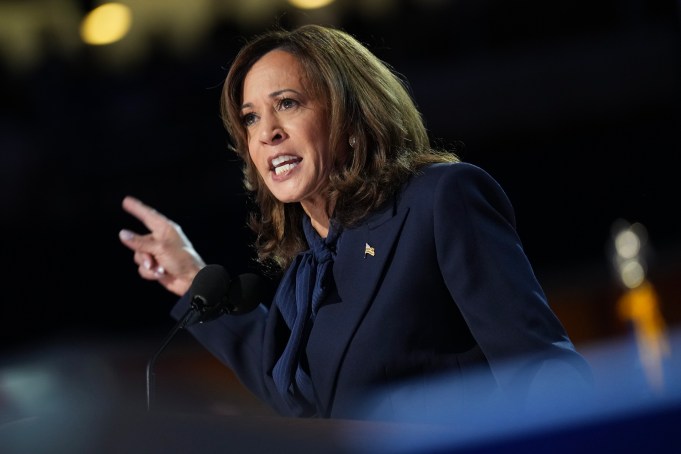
(151, 218)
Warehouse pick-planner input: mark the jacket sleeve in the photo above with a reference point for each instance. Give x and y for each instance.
(493, 284)
(235, 340)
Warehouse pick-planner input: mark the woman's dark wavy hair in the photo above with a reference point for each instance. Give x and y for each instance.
(365, 99)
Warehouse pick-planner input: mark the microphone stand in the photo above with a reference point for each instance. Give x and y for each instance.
(214, 294)
(150, 365)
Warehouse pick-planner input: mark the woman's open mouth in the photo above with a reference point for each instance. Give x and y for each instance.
(284, 163)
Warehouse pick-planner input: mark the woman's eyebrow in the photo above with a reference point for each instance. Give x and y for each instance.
(274, 94)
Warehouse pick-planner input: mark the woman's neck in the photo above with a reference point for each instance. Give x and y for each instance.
(318, 211)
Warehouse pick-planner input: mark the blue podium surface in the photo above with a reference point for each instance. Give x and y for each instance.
(70, 400)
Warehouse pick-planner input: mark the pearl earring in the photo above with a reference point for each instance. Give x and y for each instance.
(352, 141)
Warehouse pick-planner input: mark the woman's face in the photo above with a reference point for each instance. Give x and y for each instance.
(287, 129)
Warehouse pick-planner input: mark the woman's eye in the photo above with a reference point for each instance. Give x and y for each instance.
(248, 119)
(287, 103)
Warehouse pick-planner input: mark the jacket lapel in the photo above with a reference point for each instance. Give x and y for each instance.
(363, 253)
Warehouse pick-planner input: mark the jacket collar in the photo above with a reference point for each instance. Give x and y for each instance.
(363, 253)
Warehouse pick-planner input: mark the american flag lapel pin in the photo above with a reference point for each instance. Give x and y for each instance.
(368, 250)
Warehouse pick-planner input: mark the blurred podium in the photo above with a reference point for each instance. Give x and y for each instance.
(181, 433)
(655, 430)
(71, 400)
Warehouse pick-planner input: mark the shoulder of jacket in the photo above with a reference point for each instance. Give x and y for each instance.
(427, 179)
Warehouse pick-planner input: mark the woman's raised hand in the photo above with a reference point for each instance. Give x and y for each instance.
(164, 254)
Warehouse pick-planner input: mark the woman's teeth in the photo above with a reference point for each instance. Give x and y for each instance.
(284, 163)
(284, 168)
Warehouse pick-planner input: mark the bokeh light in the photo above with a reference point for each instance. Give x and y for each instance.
(106, 24)
(310, 4)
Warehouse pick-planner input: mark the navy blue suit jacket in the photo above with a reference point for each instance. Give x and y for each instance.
(447, 291)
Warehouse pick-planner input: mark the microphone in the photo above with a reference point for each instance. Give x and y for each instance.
(247, 292)
(208, 294)
(212, 294)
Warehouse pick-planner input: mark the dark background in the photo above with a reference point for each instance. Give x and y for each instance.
(574, 107)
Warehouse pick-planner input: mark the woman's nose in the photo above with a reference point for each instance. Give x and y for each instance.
(271, 131)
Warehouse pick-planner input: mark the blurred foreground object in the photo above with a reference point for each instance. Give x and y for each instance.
(640, 304)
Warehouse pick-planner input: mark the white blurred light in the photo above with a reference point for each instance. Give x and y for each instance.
(627, 244)
(106, 24)
(27, 389)
(632, 273)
